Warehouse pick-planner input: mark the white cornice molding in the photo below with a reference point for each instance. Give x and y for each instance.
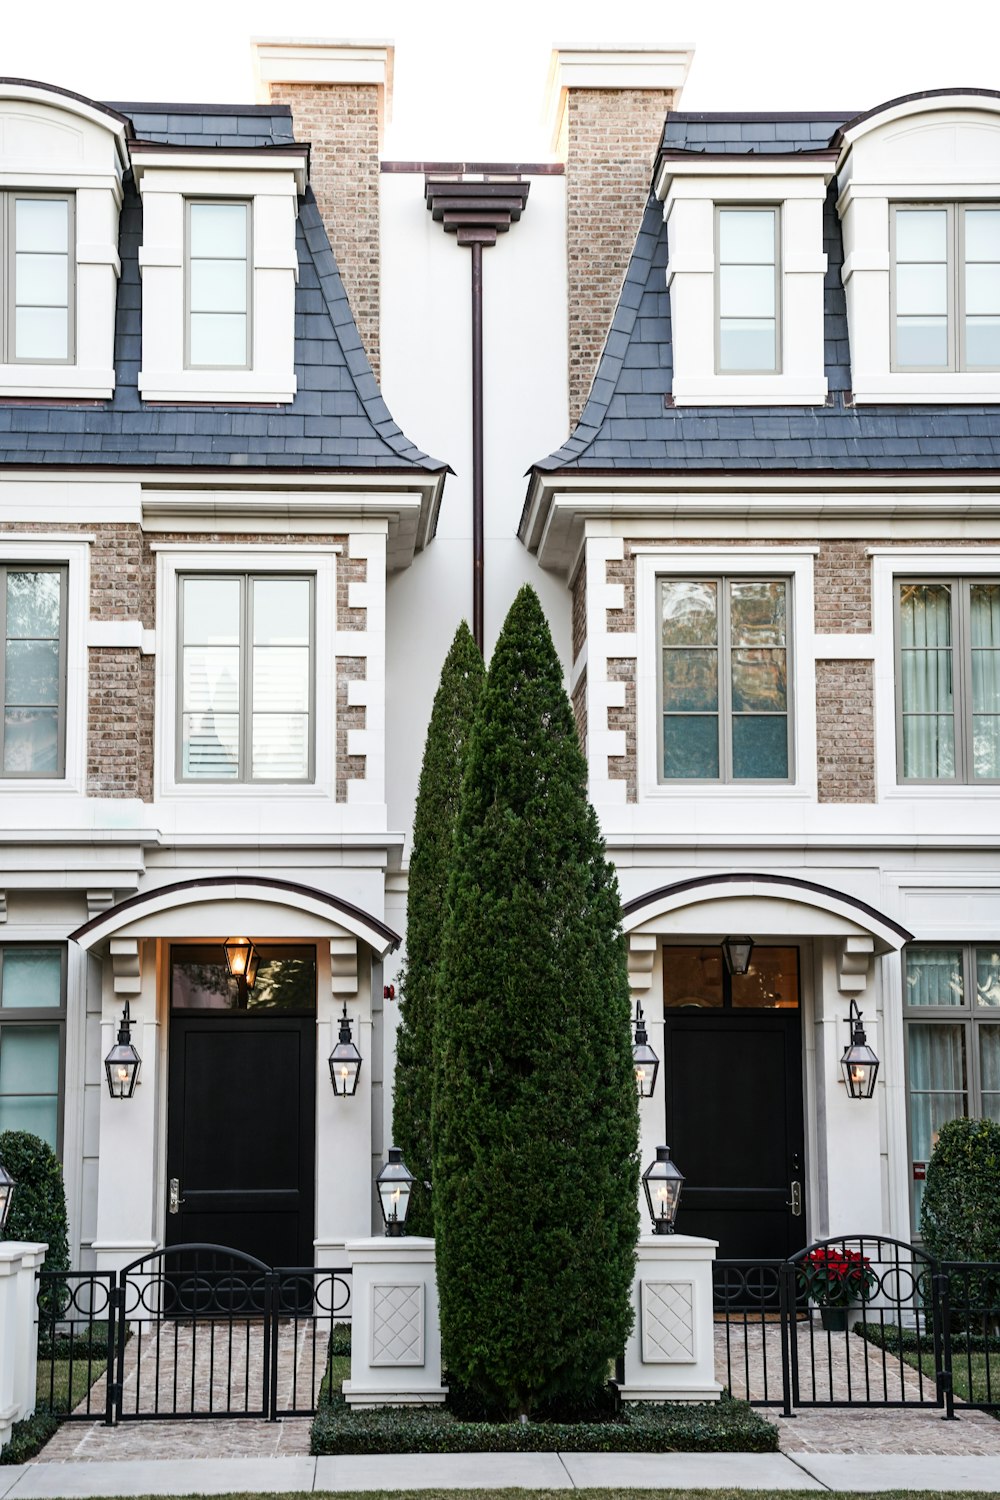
(922, 104)
(291, 160)
(312, 59)
(611, 68)
(738, 168)
(72, 104)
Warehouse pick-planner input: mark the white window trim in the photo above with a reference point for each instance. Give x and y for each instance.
(796, 565)
(888, 565)
(170, 563)
(690, 208)
(21, 547)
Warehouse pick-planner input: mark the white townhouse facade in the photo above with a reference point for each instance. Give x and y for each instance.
(769, 548)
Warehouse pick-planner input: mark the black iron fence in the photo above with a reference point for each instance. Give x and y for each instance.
(861, 1320)
(202, 1331)
(192, 1332)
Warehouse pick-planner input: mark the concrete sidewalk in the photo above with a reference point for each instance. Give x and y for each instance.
(771, 1472)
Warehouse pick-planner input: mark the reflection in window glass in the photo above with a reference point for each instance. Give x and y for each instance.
(697, 979)
(218, 285)
(724, 683)
(747, 290)
(286, 980)
(984, 648)
(31, 992)
(42, 279)
(33, 670)
(989, 1071)
(934, 975)
(246, 678)
(988, 976)
(921, 288)
(936, 1061)
(982, 288)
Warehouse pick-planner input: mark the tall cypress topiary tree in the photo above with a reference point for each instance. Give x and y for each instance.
(535, 1113)
(462, 678)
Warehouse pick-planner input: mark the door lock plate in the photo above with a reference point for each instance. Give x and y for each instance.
(175, 1200)
(795, 1203)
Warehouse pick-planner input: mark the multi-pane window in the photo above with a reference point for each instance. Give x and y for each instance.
(724, 679)
(246, 678)
(747, 291)
(38, 277)
(948, 680)
(951, 1002)
(32, 1023)
(946, 287)
(218, 285)
(33, 670)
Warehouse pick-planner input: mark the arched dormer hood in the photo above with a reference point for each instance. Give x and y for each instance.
(60, 148)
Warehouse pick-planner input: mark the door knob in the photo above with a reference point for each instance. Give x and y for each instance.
(175, 1200)
(795, 1204)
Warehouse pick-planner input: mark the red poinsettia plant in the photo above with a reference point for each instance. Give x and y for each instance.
(836, 1278)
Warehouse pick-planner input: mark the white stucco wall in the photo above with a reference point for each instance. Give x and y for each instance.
(426, 381)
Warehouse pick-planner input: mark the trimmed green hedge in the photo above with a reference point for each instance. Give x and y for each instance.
(725, 1426)
(29, 1437)
(905, 1341)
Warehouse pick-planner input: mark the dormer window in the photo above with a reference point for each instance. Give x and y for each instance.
(218, 283)
(946, 286)
(39, 263)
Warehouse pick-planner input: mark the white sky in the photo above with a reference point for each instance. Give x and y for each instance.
(470, 77)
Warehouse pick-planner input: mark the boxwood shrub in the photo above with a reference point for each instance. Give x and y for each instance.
(725, 1426)
(38, 1213)
(28, 1438)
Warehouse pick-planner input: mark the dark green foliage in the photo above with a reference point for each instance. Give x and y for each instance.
(725, 1426)
(535, 1115)
(28, 1438)
(960, 1219)
(454, 709)
(908, 1341)
(38, 1212)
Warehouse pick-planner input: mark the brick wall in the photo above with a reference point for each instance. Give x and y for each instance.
(341, 123)
(580, 711)
(579, 610)
(845, 731)
(624, 767)
(121, 681)
(611, 140)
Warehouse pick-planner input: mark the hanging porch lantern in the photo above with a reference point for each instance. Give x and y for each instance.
(345, 1061)
(736, 951)
(7, 1186)
(241, 960)
(644, 1059)
(859, 1062)
(123, 1062)
(394, 1183)
(662, 1183)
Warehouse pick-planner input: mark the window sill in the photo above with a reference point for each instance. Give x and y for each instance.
(746, 791)
(261, 387)
(56, 382)
(748, 390)
(960, 386)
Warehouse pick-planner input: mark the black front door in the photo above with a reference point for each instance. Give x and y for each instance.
(733, 1074)
(241, 1111)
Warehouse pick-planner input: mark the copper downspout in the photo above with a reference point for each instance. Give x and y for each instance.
(476, 211)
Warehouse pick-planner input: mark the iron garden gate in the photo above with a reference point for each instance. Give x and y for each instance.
(189, 1332)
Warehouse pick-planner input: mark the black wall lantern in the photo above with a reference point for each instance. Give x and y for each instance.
(859, 1062)
(662, 1183)
(644, 1059)
(7, 1186)
(394, 1183)
(736, 951)
(123, 1062)
(241, 959)
(345, 1061)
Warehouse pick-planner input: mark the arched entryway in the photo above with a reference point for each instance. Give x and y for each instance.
(751, 1102)
(233, 1136)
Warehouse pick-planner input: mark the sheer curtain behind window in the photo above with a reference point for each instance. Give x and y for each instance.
(926, 686)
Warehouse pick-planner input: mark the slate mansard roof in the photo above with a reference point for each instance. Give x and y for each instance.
(337, 420)
(628, 425)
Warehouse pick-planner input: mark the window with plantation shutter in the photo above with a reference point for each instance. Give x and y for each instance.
(246, 678)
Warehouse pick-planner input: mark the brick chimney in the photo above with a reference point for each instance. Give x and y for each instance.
(340, 96)
(607, 107)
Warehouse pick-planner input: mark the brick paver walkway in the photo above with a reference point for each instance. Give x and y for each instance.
(842, 1363)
